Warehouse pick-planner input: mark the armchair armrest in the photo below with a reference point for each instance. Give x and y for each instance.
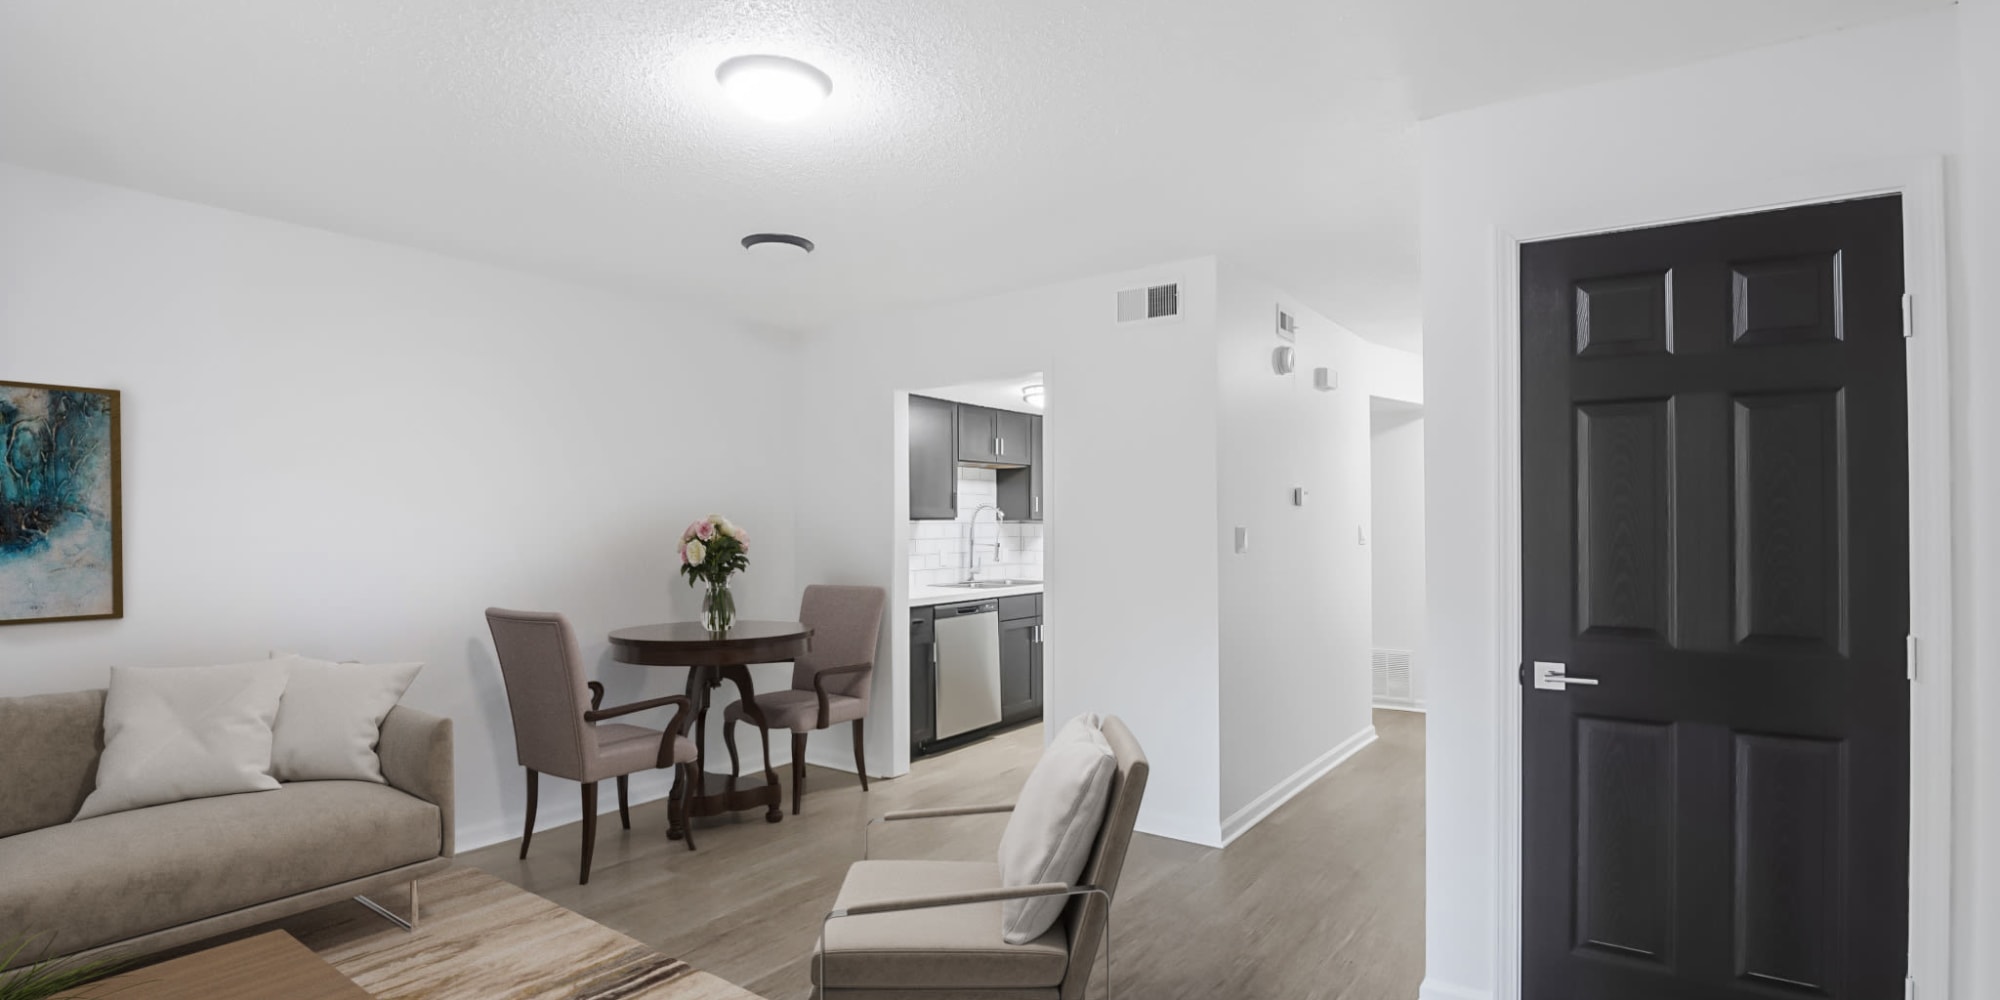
(819, 688)
(596, 693)
(942, 812)
(674, 728)
(416, 754)
(961, 898)
(868, 832)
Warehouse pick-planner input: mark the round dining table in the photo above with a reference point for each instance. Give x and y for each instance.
(711, 658)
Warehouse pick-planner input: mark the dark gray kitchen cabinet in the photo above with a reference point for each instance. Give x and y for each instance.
(1017, 669)
(1020, 490)
(978, 435)
(992, 437)
(1020, 658)
(923, 679)
(933, 459)
(1013, 431)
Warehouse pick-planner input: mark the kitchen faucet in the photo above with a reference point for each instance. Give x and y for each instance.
(972, 531)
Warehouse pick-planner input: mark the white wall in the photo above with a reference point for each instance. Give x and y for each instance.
(1976, 363)
(1131, 594)
(1295, 608)
(349, 449)
(1396, 541)
(1575, 161)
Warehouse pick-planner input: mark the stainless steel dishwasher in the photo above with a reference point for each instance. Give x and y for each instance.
(968, 667)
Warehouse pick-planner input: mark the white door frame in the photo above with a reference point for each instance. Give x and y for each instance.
(1921, 183)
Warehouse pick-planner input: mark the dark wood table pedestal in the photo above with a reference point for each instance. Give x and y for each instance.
(712, 659)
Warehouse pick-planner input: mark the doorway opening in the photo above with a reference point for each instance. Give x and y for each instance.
(1396, 552)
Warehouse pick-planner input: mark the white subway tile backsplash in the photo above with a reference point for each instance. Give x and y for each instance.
(937, 548)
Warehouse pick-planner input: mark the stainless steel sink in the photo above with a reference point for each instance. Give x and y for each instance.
(989, 584)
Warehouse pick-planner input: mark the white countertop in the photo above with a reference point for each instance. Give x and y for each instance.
(926, 596)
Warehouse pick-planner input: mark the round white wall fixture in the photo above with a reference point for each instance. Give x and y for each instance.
(776, 243)
(1283, 360)
(774, 88)
(1033, 395)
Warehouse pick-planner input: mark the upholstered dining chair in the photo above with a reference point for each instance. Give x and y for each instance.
(947, 928)
(554, 733)
(830, 684)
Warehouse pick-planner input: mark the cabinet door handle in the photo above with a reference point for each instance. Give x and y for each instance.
(1038, 503)
(934, 654)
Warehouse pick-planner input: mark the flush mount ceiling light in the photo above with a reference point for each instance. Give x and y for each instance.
(1032, 394)
(774, 88)
(776, 241)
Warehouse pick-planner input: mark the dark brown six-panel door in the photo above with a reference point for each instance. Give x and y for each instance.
(1715, 528)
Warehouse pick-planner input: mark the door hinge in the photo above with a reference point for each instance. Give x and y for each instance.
(1521, 676)
(1909, 316)
(1910, 656)
(1909, 988)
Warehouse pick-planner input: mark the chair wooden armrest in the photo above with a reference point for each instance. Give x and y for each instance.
(819, 688)
(674, 728)
(596, 693)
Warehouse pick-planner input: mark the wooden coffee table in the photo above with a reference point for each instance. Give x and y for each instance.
(268, 965)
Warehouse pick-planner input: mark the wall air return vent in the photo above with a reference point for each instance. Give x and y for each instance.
(1136, 305)
(1392, 676)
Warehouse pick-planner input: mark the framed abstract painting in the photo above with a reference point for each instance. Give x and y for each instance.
(61, 541)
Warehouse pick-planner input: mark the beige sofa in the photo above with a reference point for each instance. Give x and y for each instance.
(155, 878)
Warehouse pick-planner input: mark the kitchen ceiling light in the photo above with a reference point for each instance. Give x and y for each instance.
(774, 88)
(776, 240)
(1032, 394)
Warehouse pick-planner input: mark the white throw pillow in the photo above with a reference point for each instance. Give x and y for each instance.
(1054, 825)
(331, 719)
(185, 733)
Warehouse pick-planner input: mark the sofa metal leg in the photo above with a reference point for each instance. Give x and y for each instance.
(383, 911)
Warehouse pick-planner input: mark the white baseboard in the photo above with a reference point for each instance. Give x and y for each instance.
(1434, 990)
(1400, 704)
(1264, 805)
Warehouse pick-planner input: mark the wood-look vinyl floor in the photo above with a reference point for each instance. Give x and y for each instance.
(1323, 899)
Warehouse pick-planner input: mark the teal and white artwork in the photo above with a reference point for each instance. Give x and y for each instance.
(60, 542)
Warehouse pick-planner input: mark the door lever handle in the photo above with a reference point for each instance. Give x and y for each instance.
(1553, 677)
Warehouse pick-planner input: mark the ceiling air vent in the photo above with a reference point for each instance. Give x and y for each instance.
(1140, 304)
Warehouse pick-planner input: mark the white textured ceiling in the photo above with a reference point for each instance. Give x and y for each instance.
(969, 146)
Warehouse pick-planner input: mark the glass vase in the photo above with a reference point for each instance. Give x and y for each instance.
(718, 607)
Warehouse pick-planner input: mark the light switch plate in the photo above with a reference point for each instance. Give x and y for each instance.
(1242, 540)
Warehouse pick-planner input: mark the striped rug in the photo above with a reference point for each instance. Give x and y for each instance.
(484, 939)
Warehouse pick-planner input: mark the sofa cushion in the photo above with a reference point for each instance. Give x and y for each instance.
(953, 947)
(186, 733)
(330, 718)
(1054, 825)
(108, 878)
(50, 744)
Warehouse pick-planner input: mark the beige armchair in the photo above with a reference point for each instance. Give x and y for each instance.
(927, 930)
(830, 684)
(555, 734)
